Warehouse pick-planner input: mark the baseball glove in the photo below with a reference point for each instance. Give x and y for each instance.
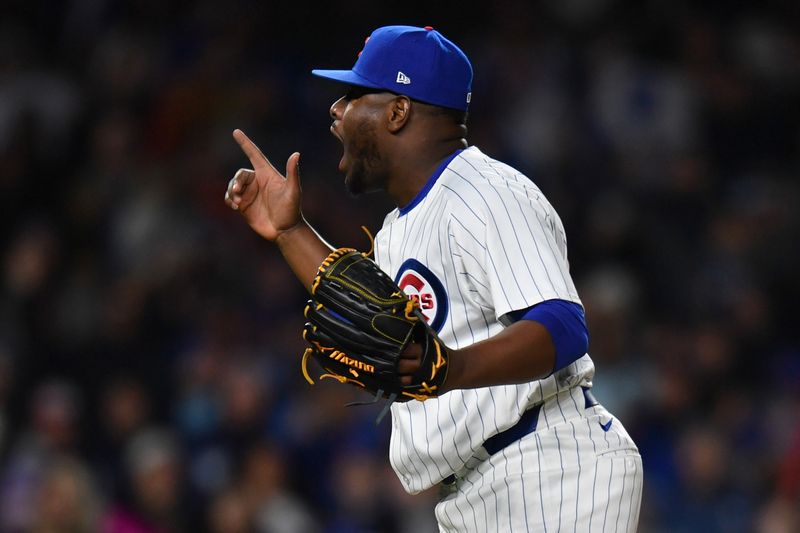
(359, 324)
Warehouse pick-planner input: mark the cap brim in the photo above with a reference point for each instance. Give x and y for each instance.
(345, 76)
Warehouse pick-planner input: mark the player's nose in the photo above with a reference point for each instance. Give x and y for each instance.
(336, 108)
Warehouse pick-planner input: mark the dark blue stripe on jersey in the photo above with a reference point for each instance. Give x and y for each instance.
(424, 192)
(566, 323)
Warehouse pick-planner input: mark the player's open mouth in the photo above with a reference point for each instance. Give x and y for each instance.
(342, 164)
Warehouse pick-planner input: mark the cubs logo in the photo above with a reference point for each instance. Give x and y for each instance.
(421, 285)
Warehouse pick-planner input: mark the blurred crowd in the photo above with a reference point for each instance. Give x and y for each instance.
(150, 342)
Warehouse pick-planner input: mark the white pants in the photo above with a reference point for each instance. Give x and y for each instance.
(575, 472)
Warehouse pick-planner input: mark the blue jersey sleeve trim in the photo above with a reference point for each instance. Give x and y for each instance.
(424, 191)
(566, 323)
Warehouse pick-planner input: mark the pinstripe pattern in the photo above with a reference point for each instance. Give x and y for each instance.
(496, 245)
(544, 494)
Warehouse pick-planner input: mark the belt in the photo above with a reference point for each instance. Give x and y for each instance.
(526, 425)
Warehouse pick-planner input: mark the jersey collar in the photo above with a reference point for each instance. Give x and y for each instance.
(429, 184)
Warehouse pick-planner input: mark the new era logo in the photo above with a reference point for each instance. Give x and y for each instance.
(402, 78)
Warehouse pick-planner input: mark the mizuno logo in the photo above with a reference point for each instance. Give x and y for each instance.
(402, 78)
(355, 363)
(607, 425)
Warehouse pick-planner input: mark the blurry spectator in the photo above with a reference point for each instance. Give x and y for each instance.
(706, 499)
(245, 398)
(53, 433)
(154, 471)
(265, 491)
(50, 100)
(124, 411)
(67, 501)
(125, 408)
(609, 295)
(361, 502)
(779, 516)
(30, 260)
(229, 513)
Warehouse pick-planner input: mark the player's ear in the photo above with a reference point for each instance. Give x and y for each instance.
(398, 113)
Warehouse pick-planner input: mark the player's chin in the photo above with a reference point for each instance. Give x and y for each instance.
(353, 184)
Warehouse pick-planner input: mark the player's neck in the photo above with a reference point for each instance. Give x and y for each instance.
(413, 169)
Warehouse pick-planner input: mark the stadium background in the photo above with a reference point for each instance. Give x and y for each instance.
(150, 343)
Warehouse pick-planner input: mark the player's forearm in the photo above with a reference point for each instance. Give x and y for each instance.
(304, 250)
(522, 352)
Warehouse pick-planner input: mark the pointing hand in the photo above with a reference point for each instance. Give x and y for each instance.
(268, 201)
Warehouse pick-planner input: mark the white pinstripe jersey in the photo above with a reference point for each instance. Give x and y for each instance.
(478, 242)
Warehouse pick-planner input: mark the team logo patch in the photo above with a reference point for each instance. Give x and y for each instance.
(420, 284)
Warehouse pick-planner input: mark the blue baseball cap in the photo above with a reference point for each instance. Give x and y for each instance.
(420, 63)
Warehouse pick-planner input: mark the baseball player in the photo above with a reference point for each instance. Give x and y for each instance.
(516, 438)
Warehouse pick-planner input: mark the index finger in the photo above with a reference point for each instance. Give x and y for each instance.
(253, 153)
